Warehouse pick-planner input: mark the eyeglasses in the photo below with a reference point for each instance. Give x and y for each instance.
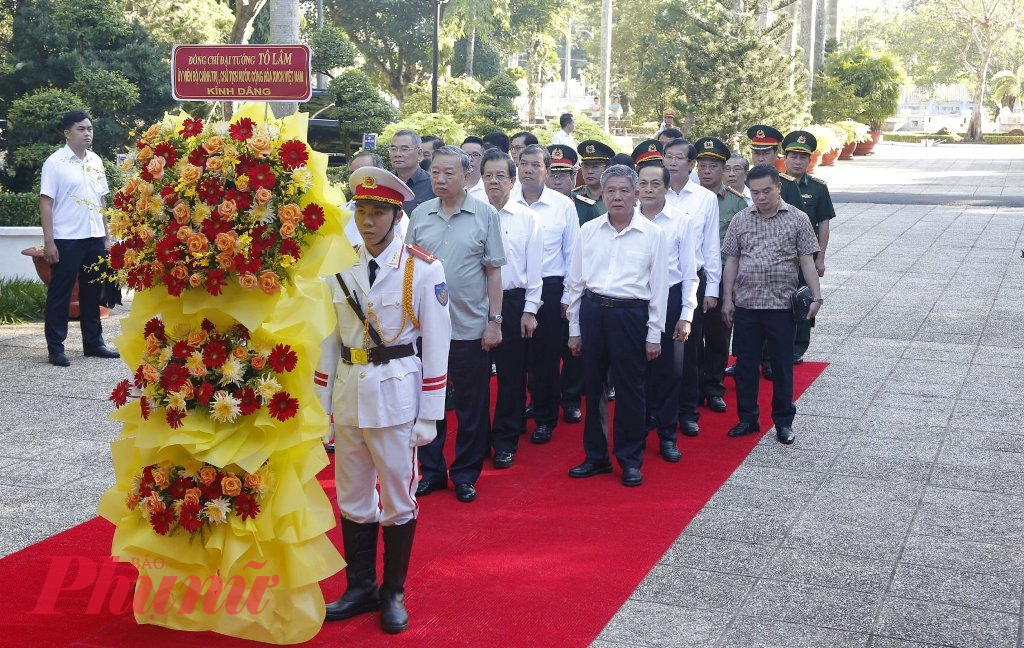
(400, 149)
(475, 156)
(669, 157)
(561, 175)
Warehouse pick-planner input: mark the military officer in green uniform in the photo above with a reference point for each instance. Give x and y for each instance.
(594, 157)
(796, 150)
(712, 154)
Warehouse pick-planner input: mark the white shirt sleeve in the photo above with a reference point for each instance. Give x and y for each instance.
(712, 247)
(570, 234)
(659, 287)
(575, 287)
(534, 263)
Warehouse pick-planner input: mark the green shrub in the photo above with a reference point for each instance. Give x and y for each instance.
(21, 300)
(915, 138)
(1004, 139)
(443, 126)
(19, 210)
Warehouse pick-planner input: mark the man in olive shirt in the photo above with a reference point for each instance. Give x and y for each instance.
(465, 235)
(797, 148)
(766, 248)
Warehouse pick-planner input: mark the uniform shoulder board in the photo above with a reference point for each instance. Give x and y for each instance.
(786, 176)
(589, 201)
(818, 180)
(420, 253)
(734, 192)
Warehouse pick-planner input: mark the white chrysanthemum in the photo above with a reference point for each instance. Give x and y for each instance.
(221, 128)
(175, 401)
(225, 408)
(273, 131)
(263, 214)
(217, 510)
(267, 387)
(232, 371)
(302, 178)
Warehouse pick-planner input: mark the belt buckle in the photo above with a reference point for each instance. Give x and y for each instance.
(359, 356)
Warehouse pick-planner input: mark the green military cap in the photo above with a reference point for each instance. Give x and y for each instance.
(712, 147)
(800, 142)
(763, 137)
(648, 151)
(562, 157)
(594, 151)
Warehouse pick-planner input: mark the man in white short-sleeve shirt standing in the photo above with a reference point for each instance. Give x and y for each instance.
(75, 237)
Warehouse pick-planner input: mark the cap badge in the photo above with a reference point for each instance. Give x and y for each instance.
(652, 148)
(591, 149)
(369, 182)
(760, 133)
(557, 154)
(709, 145)
(802, 139)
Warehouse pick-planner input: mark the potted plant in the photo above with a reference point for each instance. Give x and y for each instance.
(856, 133)
(876, 78)
(839, 142)
(43, 270)
(826, 140)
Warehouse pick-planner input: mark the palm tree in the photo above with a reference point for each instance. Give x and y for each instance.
(1007, 87)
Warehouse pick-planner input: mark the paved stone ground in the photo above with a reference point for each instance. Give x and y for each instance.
(895, 521)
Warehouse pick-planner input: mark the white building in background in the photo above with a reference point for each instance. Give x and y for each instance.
(927, 110)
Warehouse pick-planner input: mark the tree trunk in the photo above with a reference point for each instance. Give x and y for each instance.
(470, 50)
(531, 87)
(245, 13)
(808, 18)
(284, 28)
(975, 125)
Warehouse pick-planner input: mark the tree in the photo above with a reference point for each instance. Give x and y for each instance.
(495, 109)
(1007, 86)
(455, 97)
(245, 14)
(359, 108)
(284, 28)
(876, 78)
(479, 19)
(35, 132)
(834, 100)
(331, 50)
(529, 30)
(182, 21)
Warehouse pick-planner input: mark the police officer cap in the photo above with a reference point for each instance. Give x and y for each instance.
(380, 185)
(799, 142)
(763, 137)
(562, 157)
(712, 148)
(648, 151)
(592, 150)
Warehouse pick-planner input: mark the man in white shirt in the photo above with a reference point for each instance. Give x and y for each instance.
(75, 237)
(559, 227)
(694, 199)
(474, 148)
(563, 136)
(662, 374)
(618, 288)
(521, 295)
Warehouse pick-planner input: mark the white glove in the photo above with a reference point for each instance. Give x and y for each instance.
(423, 432)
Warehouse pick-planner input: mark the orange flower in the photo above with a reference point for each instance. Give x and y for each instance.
(270, 283)
(184, 232)
(152, 345)
(145, 155)
(242, 182)
(192, 495)
(197, 370)
(195, 280)
(214, 145)
(252, 481)
(258, 362)
(190, 175)
(240, 353)
(186, 390)
(198, 244)
(227, 209)
(182, 214)
(226, 261)
(287, 230)
(131, 186)
(248, 280)
(231, 485)
(152, 133)
(131, 501)
(226, 241)
(150, 373)
(260, 144)
(263, 195)
(179, 272)
(160, 478)
(145, 233)
(156, 167)
(142, 204)
(154, 503)
(206, 475)
(215, 164)
(290, 213)
(197, 337)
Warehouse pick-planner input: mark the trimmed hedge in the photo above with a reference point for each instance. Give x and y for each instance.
(916, 138)
(1004, 139)
(19, 210)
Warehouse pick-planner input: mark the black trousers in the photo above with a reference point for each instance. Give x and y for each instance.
(662, 379)
(752, 331)
(510, 359)
(545, 351)
(614, 338)
(693, 352)
(716, 353)
(572, 375)
(469, 373)
(75, 257)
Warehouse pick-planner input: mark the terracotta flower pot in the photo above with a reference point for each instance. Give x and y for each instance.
(828, 159)
(813, 164)
(44, 272)
(848, 150)
(867, 148)
(780, 164)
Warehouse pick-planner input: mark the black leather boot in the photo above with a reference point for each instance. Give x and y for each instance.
(397, 550)
(361, 595)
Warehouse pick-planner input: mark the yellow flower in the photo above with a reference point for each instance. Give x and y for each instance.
(225, 408)
(155, 206)
(200, 213)
(302, 178)
(175, 401)
(163, 358)
(287, 260)
(195, 365)
(267, 387)
(232, 371)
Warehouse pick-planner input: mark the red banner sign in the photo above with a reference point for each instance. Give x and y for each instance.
(240, 72)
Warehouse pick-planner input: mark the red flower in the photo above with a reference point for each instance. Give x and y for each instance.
(282, 358)
(293, 154)
(205, 393)
(169, 195)
(215, 280)
(313, 216)
(207, 325)
(121, 393)
(240, 331)
(212, 491)
(282, 406)
(190, 520)
(242, 199)
(245, 162)
(147, 475)
(117, 251)
(192, 126)
(241, 130)
(179, 486)
(290, 247)
(210, 191)
(175, 418)
(246, 506)
(167, 250)
(162, 521)
(155, 327)
(174, 376)
(144, 405)
(250, 402)
(174, 286)
(198, 157)
(261, 176)
(215, 353)
(167, 151)
(181, 350)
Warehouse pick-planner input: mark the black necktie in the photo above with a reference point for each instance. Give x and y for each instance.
(373, 270)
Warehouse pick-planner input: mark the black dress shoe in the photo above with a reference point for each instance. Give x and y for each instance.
(427, 487)
(743, 429)
(503, 460)
(798, 359)
(465, 492)
(542, 434)
(785, 435)
(587, 469)
(652, 422)
(59, 359)
(717, 404)
(573, 414)
(528, 412)
(102, 352)
(329, 447)
(611, 393)
(689, 428)
(767, 371)
(730, 370)
(632, 477)
(670, 452)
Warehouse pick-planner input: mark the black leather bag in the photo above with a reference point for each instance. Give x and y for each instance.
(801, 301)
(110, 294)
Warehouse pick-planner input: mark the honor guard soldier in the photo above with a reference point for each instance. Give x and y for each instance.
(594, 159)
(712, 156)
(663, 373)
(385, 400)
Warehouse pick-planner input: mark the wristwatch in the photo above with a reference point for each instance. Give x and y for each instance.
(497, 319)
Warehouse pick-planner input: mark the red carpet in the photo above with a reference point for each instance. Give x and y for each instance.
(538, 560)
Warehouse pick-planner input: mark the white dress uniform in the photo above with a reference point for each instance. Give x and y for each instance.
(374, 405)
